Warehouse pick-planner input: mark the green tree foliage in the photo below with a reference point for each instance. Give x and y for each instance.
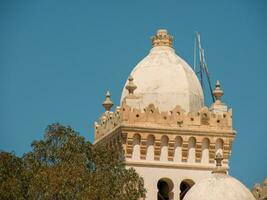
(63, 166)
(11, 170)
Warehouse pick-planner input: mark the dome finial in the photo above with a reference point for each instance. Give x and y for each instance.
(131, 86)
(218, 92)
(162, 38)
(107, 103)
(218, 160)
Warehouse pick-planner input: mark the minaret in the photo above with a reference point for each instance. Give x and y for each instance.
(167, 133)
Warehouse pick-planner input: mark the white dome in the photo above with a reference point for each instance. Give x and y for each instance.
(165, 79)
(220, 187)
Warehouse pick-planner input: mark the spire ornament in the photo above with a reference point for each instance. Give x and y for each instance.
(218, 92)
(218, 106)
(131, 86)
(219, 169)
(107, 104)
(162, 38)
(218, 160)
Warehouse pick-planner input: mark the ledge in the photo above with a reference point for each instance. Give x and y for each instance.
(160, 164)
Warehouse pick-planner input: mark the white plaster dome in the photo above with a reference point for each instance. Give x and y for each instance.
(219, 186)
(165, 79)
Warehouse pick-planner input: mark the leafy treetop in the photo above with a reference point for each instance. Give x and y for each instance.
(63, 166)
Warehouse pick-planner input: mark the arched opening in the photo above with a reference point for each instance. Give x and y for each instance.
(205, 151)
(150, 147)
(185, 186)
(164, 148)
(136, 147)
(219, 146)
(165, 187)
(178, 149)
(191, 150)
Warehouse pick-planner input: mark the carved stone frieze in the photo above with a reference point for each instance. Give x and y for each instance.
(125, 124)
(150, 116)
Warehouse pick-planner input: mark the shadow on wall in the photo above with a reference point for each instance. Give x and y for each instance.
(165, 188)
(185, 187)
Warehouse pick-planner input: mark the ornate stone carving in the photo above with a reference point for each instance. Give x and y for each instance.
(162, 38)
(125, 122)
(131, 87)
(260, 190)
(151, 116)
(107, 104)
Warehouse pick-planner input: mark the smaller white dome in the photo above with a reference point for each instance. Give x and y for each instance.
(219, 186)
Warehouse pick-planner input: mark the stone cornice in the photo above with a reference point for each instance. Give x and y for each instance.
(180, 131)
(125, 127)
(157, 164)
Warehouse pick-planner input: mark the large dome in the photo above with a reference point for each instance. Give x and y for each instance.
(165, 79)
(220, 187)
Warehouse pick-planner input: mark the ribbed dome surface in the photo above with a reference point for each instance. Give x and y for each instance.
(166, 80)
(219, 187)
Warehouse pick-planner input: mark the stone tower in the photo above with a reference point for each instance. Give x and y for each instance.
(167, 133)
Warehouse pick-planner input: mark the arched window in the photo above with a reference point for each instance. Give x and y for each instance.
(178, 149)
(150, 148)
(164, 148)
(219, 146)
(205, 157)
(165, 187)
(185, 186)
(136, 147)
(191, 150)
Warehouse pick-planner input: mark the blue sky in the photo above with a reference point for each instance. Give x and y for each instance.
(57, 59)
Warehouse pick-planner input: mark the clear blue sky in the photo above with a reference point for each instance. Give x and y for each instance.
(57, 59)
